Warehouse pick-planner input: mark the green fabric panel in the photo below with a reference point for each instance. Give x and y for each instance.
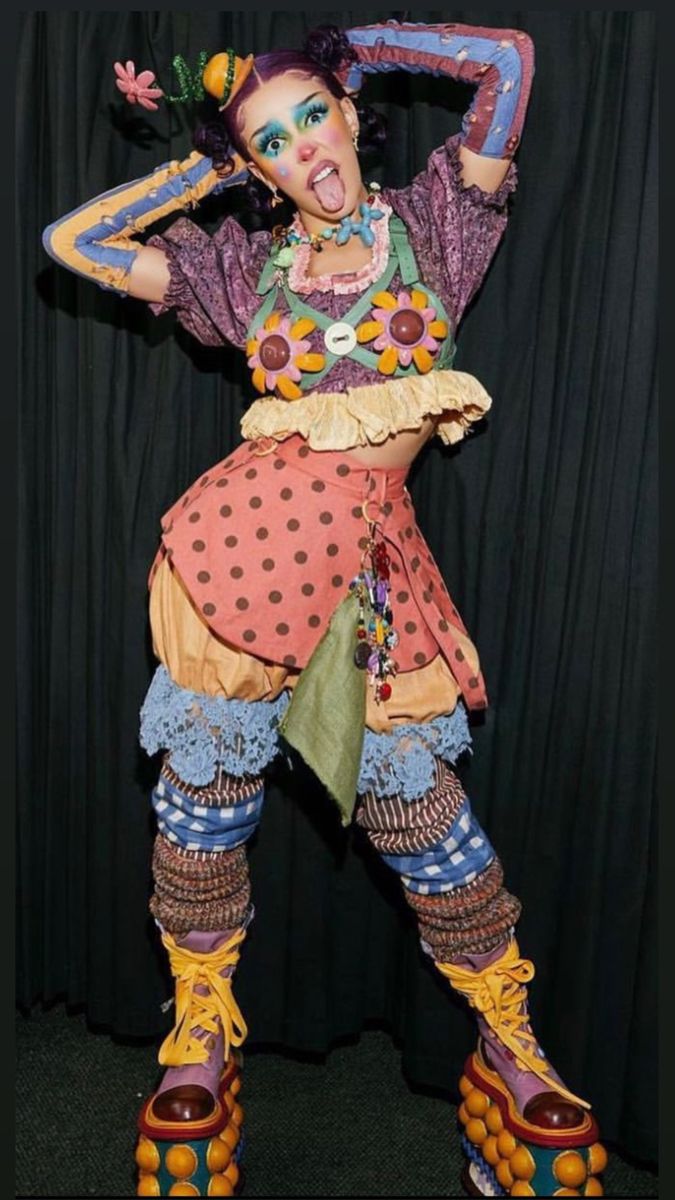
(325, 720)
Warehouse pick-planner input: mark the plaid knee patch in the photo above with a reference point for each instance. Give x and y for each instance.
(186, 821)
(456, 859)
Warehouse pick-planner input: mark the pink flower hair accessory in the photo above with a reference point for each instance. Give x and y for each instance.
(137, 89)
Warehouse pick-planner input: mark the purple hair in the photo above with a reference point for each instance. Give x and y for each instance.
(326, 50)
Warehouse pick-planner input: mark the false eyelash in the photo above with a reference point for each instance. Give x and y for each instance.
(319, 106)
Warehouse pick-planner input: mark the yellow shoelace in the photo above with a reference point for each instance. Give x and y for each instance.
(499, 994)
(211, 1011)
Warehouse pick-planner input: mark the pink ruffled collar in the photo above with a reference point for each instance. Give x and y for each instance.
(354, 281)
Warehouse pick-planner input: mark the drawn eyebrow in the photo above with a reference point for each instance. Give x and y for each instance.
(296, 108)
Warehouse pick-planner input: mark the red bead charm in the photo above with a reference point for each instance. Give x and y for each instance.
(384, 691)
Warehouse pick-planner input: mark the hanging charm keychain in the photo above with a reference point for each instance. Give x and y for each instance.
(376, 636)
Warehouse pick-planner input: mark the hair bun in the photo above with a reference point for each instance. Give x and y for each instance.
(330, 47)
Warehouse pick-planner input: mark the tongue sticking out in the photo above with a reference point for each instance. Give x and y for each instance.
(330, 192)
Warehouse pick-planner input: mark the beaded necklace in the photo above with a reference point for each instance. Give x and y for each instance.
(289, 240)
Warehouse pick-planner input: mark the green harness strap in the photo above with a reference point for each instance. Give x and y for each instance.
(401, 258)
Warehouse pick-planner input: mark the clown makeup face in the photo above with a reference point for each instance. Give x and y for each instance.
(300, 139)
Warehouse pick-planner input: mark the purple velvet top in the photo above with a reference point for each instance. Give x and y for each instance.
(453, 230)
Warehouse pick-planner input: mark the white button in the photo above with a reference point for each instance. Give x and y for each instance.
(340, 338)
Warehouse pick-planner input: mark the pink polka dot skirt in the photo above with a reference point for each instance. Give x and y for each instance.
(267, 541)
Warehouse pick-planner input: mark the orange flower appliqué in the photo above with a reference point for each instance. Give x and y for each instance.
(405, 329)
(279, 353)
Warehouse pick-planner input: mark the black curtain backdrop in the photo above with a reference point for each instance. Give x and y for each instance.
(543, 524)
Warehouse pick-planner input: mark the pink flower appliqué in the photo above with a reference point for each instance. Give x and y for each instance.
(137, 89)
(280, 352)
(405, 329)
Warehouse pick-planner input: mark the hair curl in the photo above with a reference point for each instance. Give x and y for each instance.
(326, 50)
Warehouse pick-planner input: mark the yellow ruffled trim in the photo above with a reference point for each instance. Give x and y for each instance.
(368, 415)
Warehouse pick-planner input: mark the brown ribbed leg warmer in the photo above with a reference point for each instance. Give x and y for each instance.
(195, 890)
(470, 919)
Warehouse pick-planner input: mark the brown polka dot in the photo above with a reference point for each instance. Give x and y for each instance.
(199, 546)
(203, 576)
(326, 518)
(408, 531)
(314, 621)
(225, 510)
(473, 682)
(415, 563)
(290, 660)
(286, 494)
(426, 596)
(262, 533)
(282, 629)
(249, 635)
(342, 469)
(303, 452)
(396, 570)
(443, 626)
(387, 508)
(167, 528)
(186, 501)
(231, 540)
(203, 482)
(362, 543)
(356, 511)
(300, 556)
(419, 658)
(236, 572)
(410, 627)
(459, 655)
(241, 603)
(275, 597)
(222, 482)
(332, 550)
(268, 564)
(169, 551)
(307, 589)
(194, 517)
(431, 585)
(293, 525)
(255, 502)
(402, 597)
(318, 485)
(251, 473)
(279, 464)
(337, 581)
(208, 610)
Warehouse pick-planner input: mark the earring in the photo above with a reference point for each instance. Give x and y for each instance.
(355, 140)
(276, 198)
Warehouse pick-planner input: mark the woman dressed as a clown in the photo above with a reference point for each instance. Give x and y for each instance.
(293, 598)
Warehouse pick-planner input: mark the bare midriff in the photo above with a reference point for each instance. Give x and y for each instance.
(399, 450)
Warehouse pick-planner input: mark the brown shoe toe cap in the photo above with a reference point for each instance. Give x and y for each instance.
(187, 1103)
(548, 1110)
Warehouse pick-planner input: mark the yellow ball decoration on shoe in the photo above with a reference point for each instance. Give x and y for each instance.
(465, 1086)
(235, 1085)
(569, 1169)
(237, 1115)
(229, 1101)
(232, 1173)
(567, 1192)
(477, 1103)
(148, 1185)
(462, 1113)
(230, 1136)
(181, 1161)
(506, 1144)
(594, 1188)
(475, 1131)
(503, 1173)
(522, 1164)
(493, 1119)
(490, 1151)
(220, 1185)
(521, 1188)
(183, 1189)
(218, 1155)
(147, 1154)
(597, 1158)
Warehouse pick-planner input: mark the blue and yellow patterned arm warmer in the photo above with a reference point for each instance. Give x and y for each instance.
(96, 239)
(499, 61)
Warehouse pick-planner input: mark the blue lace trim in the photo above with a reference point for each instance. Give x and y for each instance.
(204, 732)
(402, 762)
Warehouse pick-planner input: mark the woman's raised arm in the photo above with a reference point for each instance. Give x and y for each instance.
(500, 62)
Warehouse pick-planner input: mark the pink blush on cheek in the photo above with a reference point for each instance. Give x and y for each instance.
(283, 172)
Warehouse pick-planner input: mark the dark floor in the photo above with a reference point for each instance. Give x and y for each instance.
(349, 1126)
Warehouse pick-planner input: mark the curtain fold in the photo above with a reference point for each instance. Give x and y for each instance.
(544, 525)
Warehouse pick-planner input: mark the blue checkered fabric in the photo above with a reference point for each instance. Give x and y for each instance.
(204, 827)
(455, 859)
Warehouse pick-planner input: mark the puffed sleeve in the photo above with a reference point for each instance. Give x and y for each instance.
(213, 279)
(454, 230)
